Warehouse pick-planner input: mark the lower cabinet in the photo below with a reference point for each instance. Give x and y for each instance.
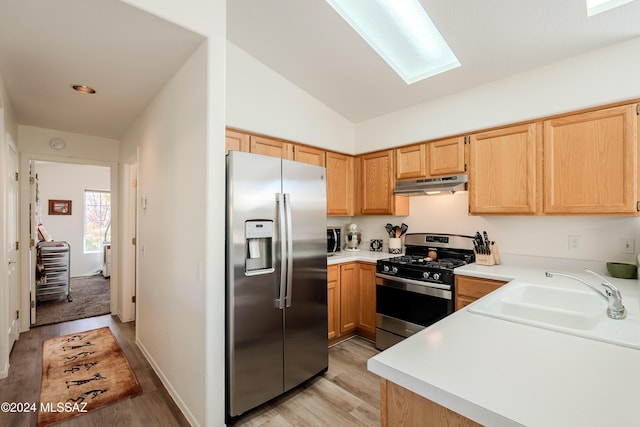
(351, 300)
(402, 407)
(468, 289)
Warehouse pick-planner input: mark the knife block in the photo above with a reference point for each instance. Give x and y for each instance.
(492, 259)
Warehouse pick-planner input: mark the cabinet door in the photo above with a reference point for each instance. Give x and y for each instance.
(349, 290)
(590, 161)
(271, 147)
(469, 289)
(237, 141)
(502, 171)
(367, 316)
(446, 157)
(333, 300)
(313, 156)
(376, 177)
(411, 162)
(340, 199)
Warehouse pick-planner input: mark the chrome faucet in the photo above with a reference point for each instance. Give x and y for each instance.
(615, 310)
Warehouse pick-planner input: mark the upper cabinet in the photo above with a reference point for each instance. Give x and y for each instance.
(237, 141)
(306, 154)
(271, 147)
(446, 157)
(431, 159)
(376, 176)
(503, 171)
(590, 162)
(340, 184)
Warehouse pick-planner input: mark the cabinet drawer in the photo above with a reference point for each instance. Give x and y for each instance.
(333, 273)
(475, 287)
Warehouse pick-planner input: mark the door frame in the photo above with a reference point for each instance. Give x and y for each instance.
(27, 256)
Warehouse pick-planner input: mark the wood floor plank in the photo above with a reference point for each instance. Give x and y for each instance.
(153, 406)
(346, 395)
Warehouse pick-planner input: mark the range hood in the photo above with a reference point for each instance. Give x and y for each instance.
(428, 186)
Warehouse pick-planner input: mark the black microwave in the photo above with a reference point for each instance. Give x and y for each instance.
(333, 240)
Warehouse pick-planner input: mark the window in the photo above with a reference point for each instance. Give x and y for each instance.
(97, 219)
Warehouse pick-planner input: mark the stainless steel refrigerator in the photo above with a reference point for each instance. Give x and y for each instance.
(276, 278)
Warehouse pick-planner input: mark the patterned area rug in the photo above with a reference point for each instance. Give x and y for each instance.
(91, 297)
(82, 372)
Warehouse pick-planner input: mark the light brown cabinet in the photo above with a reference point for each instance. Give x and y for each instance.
(375, 173)
(340, 184)
(367, 301)
(271, 147)
(351, 297)
(311, 155)
(503, 171)
(236, 141)
(469, 289)
(400, 407)
(591, 161)
(411, 162)
(446, 157)
(349, 289)
(431, 159)
(333, 300)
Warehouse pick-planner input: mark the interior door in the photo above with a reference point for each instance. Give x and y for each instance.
(12, 239)
(33, 189)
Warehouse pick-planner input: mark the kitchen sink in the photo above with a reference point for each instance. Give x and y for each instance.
(571, 311)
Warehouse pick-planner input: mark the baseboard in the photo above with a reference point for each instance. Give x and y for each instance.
(172, 392)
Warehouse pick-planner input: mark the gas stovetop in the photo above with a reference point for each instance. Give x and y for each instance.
(429, 258)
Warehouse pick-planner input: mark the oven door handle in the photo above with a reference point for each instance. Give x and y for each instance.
(426, 288)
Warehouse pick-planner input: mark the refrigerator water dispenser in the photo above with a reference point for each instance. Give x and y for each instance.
(258, 254)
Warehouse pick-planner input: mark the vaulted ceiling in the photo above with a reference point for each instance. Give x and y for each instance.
(127, 55)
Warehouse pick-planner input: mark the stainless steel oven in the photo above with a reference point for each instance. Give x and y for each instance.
(415, 290)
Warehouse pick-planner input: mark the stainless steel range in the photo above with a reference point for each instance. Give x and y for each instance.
(416, 289)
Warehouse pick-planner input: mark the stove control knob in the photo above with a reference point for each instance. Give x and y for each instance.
(394, 270)
(385, 268)
(436, 276)
(425, 275)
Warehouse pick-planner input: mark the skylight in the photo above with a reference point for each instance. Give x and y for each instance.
(402, 33)
(598, 6)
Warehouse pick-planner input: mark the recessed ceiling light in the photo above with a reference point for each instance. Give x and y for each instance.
(402, 33)
(598, 6)
(83, 89)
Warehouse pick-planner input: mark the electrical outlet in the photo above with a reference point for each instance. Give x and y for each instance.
(627, 246)
(574, 243)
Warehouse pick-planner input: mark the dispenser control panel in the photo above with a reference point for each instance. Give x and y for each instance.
(258, 229)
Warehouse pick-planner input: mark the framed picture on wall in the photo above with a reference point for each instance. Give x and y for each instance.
(59, 207)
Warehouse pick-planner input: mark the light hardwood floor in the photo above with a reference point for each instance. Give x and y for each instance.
(346, 395)
(154, 407)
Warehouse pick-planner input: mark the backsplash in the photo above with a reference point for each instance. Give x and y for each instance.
(595, 238)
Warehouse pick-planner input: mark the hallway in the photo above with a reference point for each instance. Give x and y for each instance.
(153, 407)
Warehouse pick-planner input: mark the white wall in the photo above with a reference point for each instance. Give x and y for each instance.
(262, 101)
(206, 17)
(34, 142)
(596, 78)
(68, 181)
(171, 136)
(599, 77)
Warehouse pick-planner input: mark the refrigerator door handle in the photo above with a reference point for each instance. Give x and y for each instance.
(287, 204)
(280, 300)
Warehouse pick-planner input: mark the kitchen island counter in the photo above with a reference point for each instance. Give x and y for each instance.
(500, 373)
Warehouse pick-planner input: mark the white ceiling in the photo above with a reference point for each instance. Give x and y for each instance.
(309, 44)
(127, 55)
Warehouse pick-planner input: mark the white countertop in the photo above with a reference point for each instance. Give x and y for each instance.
(363, 255)
(501, 373)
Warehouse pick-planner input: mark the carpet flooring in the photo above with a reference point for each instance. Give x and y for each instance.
(91, 297)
